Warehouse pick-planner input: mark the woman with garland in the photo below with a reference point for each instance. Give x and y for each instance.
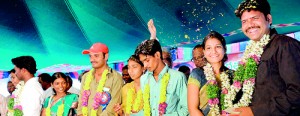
(132, 96)
(206, 91)
(13, 104)
(61, 102)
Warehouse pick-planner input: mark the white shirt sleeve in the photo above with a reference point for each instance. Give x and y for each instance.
(32, 98)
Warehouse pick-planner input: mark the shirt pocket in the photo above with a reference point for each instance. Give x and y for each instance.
(265, 66)
(171, 88)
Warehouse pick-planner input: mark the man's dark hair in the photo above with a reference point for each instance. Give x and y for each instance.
(26, 62)
(149, 47)
(45, 77)
(257, 5)
(125, 67)
(183, 68)
(80, 76)
(12, 71)
(198, 46)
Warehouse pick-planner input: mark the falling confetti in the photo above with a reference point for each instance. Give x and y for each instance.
(186, 36)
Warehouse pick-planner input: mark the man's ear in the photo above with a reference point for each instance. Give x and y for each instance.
(157, 55)
(23, 69)
(106, 56)
(269, 18)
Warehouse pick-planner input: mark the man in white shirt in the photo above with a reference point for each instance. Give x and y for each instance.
(31, 96)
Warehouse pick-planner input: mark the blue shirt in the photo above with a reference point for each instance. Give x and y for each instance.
(176, 92)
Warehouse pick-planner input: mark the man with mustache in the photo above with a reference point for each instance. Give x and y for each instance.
(101, 86)
(277, 88)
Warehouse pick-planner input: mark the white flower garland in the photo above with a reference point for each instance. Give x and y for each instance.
(211, 80)
(254, 50)
(16, 93)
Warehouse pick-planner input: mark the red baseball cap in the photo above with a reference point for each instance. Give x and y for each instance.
(96, 48)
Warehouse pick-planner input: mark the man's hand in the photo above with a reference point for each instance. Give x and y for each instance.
(152, 29)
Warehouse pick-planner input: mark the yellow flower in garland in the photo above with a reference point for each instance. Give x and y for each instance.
(137, 103)
(163, 94)
(163, 88)
(146, 97)
(86, 92)
(129, 100)
(133, 105)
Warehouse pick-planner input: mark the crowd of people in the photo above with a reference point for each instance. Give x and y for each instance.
(265, 83)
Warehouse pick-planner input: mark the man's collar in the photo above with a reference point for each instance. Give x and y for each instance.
(273, 32)
(161, 73)
(109, 70)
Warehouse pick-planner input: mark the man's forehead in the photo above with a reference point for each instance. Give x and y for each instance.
(198, 49)
(249, 14)
(142, 56)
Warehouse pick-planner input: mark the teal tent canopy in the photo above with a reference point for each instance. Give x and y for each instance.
(56, 31)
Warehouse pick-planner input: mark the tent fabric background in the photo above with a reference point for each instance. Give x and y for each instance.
(56, 31)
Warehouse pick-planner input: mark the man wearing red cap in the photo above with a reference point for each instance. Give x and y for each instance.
(101, 86)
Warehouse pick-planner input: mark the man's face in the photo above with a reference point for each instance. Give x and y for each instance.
(43, 84)
(125, 75)
(150, 62)
(98, 59)
(255, 24)
(19, 73)
(198, 57)
(10, 87)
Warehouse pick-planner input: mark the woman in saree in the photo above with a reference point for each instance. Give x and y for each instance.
(206, 88)
(61, 102)
(132, 97)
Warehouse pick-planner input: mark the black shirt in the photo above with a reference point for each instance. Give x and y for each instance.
(277, 87)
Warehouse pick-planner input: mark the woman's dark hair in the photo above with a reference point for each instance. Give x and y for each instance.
(136, 59)
(218, 36)
(12, 71)
(59, 75)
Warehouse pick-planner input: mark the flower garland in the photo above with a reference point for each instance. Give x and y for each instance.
(60, 109)
(133, 106)
(162, 98)
(244, 77)
(163, 94)
(87, 93)
(14, 107)
(146, 97)
(213, 89)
